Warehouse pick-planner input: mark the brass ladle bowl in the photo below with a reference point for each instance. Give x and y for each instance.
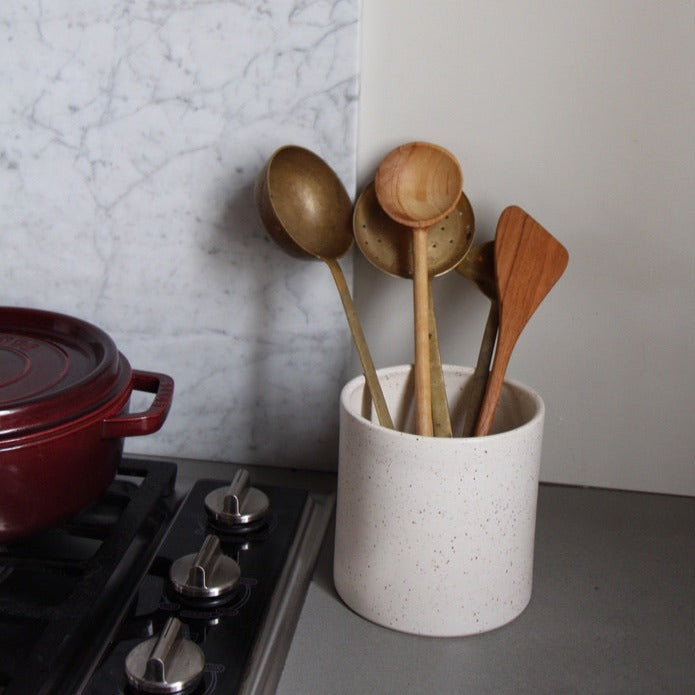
(478, 266)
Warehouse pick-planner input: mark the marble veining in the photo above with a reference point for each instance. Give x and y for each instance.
(130, 136)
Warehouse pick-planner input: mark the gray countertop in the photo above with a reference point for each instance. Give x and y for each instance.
(612, 611)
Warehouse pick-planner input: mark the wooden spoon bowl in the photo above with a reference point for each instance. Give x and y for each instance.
(418, 184)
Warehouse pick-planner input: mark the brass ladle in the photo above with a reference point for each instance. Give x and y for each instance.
(419, 184)
(387, 246)
(478, 265)
(307, 211)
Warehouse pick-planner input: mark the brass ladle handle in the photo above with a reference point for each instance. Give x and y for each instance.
(360, 341)
(481, 373)
(441, 419)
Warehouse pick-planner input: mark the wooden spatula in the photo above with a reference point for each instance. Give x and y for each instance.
(528, 262)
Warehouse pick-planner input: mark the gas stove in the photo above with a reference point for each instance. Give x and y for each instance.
(148, 591)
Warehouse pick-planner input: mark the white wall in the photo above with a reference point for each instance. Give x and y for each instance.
(582, 113)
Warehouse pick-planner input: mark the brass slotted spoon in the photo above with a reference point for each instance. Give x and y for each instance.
(386, 244)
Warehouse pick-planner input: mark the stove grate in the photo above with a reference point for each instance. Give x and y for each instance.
(63, 591)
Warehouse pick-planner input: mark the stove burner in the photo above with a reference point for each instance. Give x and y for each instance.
(207, 574)
(168, 663)
(237, 505)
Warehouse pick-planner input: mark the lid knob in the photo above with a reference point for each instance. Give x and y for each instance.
(209, 573)
(237, 504)
(168, 663)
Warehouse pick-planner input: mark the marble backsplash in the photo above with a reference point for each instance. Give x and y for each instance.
(130, 136)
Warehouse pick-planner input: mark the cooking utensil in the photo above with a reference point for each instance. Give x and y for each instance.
(478, 266)
(64, 394)
(528, 262)
(387, 245)
(307, 211)
(418, 184)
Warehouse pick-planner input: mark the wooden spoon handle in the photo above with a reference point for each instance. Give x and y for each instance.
(505, 345)
(481, 373)
(423, 389)
(441, 419)
(360, 341)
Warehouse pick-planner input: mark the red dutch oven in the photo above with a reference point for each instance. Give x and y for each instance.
(64, 396)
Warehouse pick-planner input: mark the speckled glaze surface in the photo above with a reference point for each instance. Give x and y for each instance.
(435, 536)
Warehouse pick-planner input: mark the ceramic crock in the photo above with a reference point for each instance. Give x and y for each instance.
(435, 536)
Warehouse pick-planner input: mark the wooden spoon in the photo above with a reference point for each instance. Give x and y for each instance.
(386, 245)
(419, 184)
(307, 211)
(478, 266)
(528, 262)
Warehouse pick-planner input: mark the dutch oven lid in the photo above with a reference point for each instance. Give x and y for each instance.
(53, 369)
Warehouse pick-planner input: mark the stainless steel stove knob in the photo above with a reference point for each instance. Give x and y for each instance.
(237, 504)
(168, 663)
(209, 573)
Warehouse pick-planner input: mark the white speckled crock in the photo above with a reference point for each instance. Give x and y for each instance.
(434, 536)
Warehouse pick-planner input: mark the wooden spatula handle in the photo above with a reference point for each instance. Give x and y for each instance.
(503, 352)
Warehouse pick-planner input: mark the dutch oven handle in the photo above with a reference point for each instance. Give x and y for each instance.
(134, 424)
